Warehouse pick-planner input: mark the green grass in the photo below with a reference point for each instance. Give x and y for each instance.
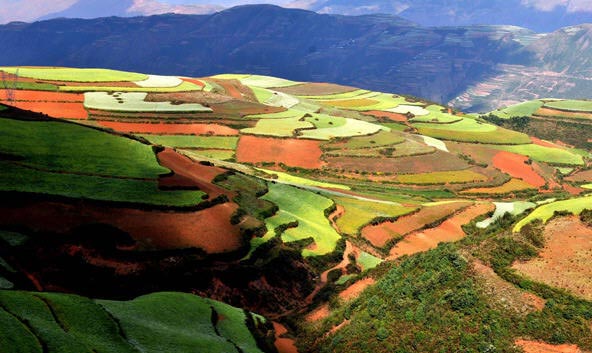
(522, 109)
(190, 141)
(545, 212)
(545, 154)
(278, 127)
(351, 128)
(135, 102)
(62, 147)
(359, 213)
(177, 322)
(453, 176)
(571, 105)
(70, 160)
(291, 179)
(76, 75)
(306, 208)
(437, 116)
(161, 322)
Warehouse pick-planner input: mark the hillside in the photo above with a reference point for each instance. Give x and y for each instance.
(476, 68)
(317, 205)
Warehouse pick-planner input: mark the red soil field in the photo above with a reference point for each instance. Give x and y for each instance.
(209, 229)
(389, 115)
(55, 109)
(194, 81)
(319, 314)
(540, 142)
(541, 347)
(292, 152)
(449, 231)
(573, 189)
(43, 96)
(514, 165)
(564, 261)
(379, 235)
(170, 129)
(283, 345)
(201, 174)
(230, 87)
(354, 291)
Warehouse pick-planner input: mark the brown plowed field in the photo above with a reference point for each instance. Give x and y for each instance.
(170, 129)
(542, 347)
(585, 176)
(292, 152)
(43, 96)
(565, 260)
(434, 162)
(379, 235)
(514, 165)
(55, 109)
(449, 231)
(388, 115)
(209, 229)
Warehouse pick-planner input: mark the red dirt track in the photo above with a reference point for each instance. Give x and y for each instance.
(514, 165)
(541, 347)
(292, 152)
(163, 128)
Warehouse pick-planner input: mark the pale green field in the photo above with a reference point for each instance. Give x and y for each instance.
(522, 109)
(435, 115)
(351, 128)
(278, 127)
(544, 154)
(135, 102)
(359, 213)
(76, 75)
(184, 87)
(294, 180)
(571, 105)
(266, 81)
(191, 141)
(545, 212)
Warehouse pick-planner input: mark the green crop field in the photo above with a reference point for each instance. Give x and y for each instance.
(265, 81)
(183, 87)
(367, 261)
(359, 213)
(190, 141)
(571, 105)
(435, 115)
(218, 154)
(322, 121)
(522, 109)
(464, 125)
(306, 208)
(381, 139)
(549, 155)
(496, 136)
(61, 147)
(135, 102)
(448, 177)
(545, 212)
(76, 75)
(262, 94)
(161, 322)
(290, 113)
(298, 181)
(360, 93)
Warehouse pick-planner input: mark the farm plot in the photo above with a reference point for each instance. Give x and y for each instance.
(266, 81)
(286, 127)
(76, 75)
(357, 93)
(135, 102)
(545, 212)
(350, 128)
(291, 152)
(410, 109)
(450, 230)
(381, 139)
(306, 208)
(447, 177)
(554, 156)
(562, 114)
(512, 186)
(42, 96)
(503, 208)
(290, 113)
(515, 165)
(379, 235)
(315, 89)
(436, 115)
(190, 141)
(324, 121)
(286, 178)
(470, 130)
(154, 81)
(571, 105)
(60, 110)
(581, 177)
(382, 101)
(522, 109)
(359, 213)
(169, 129)
(432, 142)
(565, 257)
(279, 99)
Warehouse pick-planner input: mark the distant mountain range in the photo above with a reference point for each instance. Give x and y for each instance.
(538, 15)
(476, 68)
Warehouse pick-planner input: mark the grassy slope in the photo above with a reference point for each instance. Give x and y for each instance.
(161, 322)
